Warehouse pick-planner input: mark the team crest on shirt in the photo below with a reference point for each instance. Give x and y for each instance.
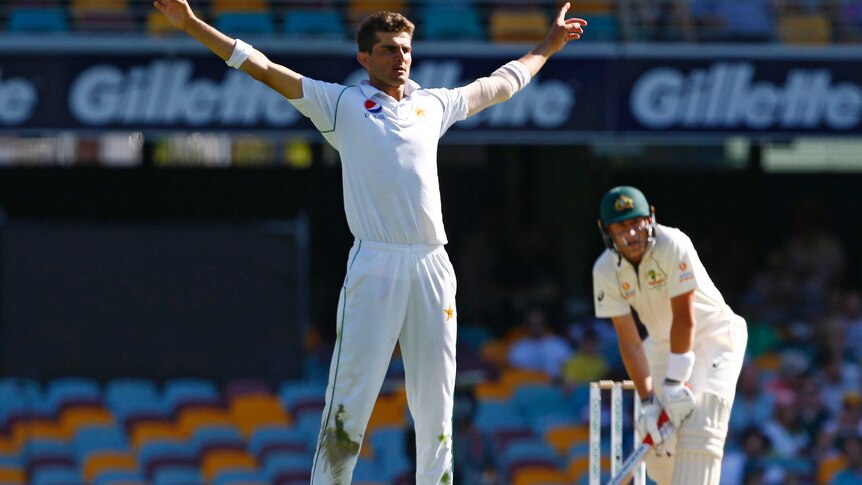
(373, 109)
(683, 274)
(627, 289)
(655, 279)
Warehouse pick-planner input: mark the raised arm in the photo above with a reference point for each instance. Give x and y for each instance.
(257, 65)
(503, 83)
(561, 31)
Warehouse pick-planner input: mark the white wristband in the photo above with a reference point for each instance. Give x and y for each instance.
(679, 366)
(240, 53)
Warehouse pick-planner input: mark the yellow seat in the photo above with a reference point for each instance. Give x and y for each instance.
(492, 391)
(147, 431)
(580, 465)
(539, 476)
(495, 352)
(217, 461)
(390, 410)
(585, 8)
(104, 461)
(192, 419)
(40, 428)
(252, 411)
(828, 467)
(811, 29)
(81, 5)
(563, 436)
(222, 6)
(158, 24)
(11, 475)
(515, 378)
(357, 10)
(74, 418)
(523, 25)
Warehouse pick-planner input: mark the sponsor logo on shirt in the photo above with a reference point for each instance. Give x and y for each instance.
(373, 110)
(628, 291)
(685, 275)
(600, 296)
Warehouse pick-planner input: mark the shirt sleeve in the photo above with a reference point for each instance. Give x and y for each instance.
(454, 106)
(681, 258)
(319, 102)
(608, 300)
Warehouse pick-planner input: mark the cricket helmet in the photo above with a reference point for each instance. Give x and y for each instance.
(622, 203)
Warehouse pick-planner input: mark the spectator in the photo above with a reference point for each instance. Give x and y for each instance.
(657, 20)
(851, 446)
(753, 404)
(784, 430)
(587, 364)
(752, 462)
(541, 349)
(734, 20)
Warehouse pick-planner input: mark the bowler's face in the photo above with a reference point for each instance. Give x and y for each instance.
(389, 62)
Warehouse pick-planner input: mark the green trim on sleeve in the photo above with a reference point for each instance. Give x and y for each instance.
(335, 118)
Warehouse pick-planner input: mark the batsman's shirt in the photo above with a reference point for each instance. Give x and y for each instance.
(388, 154)
(669, 268)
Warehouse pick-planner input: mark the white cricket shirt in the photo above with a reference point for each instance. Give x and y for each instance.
(388, 154)
(669, 268)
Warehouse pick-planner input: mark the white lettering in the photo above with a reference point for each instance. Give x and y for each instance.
(164, 92)
(727, 95)
(17, 100)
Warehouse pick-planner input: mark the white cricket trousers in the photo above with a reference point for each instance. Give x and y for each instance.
(392, 293)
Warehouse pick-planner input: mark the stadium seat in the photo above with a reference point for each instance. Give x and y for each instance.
(56, 475)
(216, 462)
(80, 418)
(210, 438)
(178, 475)
(99, 463)
(357, 10)
(539, 476)
(314, 24)
(149, 431)
(390, 410)
(519, 25)
(603, 28)
(811, 29)
(88, 441)
(190, 419)
(12, 475)
(272, 439)
(45, 20)
(158, 24)
(442, 23)
(241, 387)
(120, 477)
(66, 391)
(98, 16)
(245, 23)
(564, 436)
(178, 392)
(221, 6)
(250, 412)
(240, 477)
(390, 451)
(283, 466)
(155, 456)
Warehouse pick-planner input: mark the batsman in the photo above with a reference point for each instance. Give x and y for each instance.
(691, 359)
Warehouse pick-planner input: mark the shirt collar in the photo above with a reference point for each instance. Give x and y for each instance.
(370, 91)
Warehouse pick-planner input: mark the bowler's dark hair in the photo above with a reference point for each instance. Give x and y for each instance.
(366, 37)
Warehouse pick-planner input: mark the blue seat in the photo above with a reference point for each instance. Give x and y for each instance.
(492, 415)
(240, 477)
(178, 475)
(319, 24)
(281, 463)
(43, 20)
(603, 28)
(56, 475)
(291, 393)
(367, 470)
(245, 23)
(66, 390)
(268, 439)
(535, 401)
(120, 477)
(529, 452)
(207, 437)
(457, 23)
(390, 449)
(184, 390)
(164, 451)
(89, 440)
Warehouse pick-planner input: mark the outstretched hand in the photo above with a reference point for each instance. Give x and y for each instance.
(178, 12)
(563, 30)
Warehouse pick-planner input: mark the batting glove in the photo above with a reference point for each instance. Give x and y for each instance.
(648, 419)
(678, 401)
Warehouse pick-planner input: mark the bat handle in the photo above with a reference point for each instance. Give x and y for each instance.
(662, 420)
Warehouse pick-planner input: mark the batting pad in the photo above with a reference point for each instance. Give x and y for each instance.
(700, 443)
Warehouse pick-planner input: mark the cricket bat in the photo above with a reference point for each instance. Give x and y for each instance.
(634, 460)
